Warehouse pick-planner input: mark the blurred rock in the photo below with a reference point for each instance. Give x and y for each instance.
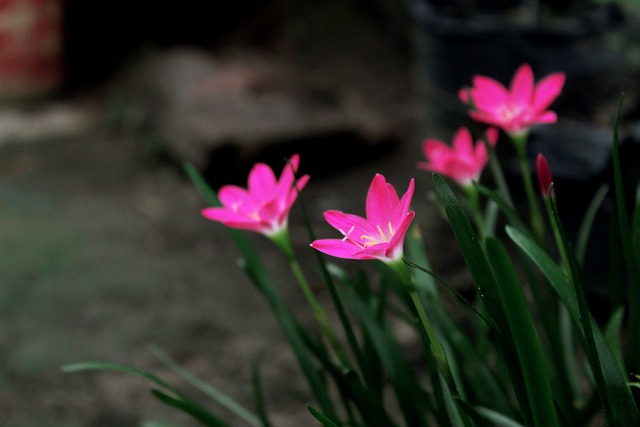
(47, 120)
(195, 103)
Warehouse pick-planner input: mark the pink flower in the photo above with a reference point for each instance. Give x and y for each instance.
(545, 178)
(515, 109)
(380, 235)
(462, 162)
(264, 206)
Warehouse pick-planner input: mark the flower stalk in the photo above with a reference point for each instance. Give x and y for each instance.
(436, 347)
(283, 242)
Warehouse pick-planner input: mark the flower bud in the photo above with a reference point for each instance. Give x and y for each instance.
(544, 176)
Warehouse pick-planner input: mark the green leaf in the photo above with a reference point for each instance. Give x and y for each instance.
(527, 343)
(322, 418)
(613, 335)
(497, 419)
(258, 396)
(485, 417)
(179, 400)
(487, 287)
(615, 394)
(507, 209)
(587, 222)
(207, 388)
(106, 366)
(191, 409)
(407, 389)
(629, 253)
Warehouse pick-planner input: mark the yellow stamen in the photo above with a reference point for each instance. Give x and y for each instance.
(382, 237)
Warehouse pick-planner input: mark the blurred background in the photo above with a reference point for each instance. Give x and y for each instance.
(102, 249)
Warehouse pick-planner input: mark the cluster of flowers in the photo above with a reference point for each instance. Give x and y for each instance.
(513, 370)
(264, 206)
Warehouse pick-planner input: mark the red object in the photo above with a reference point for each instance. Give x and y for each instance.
(544, 176)
(30, 47)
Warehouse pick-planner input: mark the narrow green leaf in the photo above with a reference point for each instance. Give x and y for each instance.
(424, 284)
(613, 335)
(629, 253)
(616, 264)
(507, 209)
(476, 418)
(403, 380)
(497, 419)
(587, 222)
(527, 343)
(189, 408)
(207, 388)
(487, 287)
(179, 400)
(258, 396)
(106, 366)
(322, 418)
(615, 393)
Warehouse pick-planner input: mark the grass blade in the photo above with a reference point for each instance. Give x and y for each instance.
(527, 344)
(487, 287)
(209, 390)
(614, 390)
(322, 418)
(629, 253)
(191, 409)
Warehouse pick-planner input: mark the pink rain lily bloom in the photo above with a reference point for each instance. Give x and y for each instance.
(263, 207)
(461, 162)
(515, 109)
(378, 236)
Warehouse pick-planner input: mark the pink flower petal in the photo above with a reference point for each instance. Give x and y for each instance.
(487, 93)
(436, 150)
(348, 224)
(237, 198)
(232, 219)
(522, 86)
(288, 175)
(262, 182)
(398, 238)
(340, 249)
(547, 90)
(547, 117)
(381, 199)
(402, 208)
(463, 144)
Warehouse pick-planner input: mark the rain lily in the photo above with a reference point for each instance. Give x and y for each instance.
(515, 109)
(461, 162)
(264, 206)
(378, 236)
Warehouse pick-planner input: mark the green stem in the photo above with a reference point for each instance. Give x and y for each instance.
(284, 244)
(537, 226)
(435, 345)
